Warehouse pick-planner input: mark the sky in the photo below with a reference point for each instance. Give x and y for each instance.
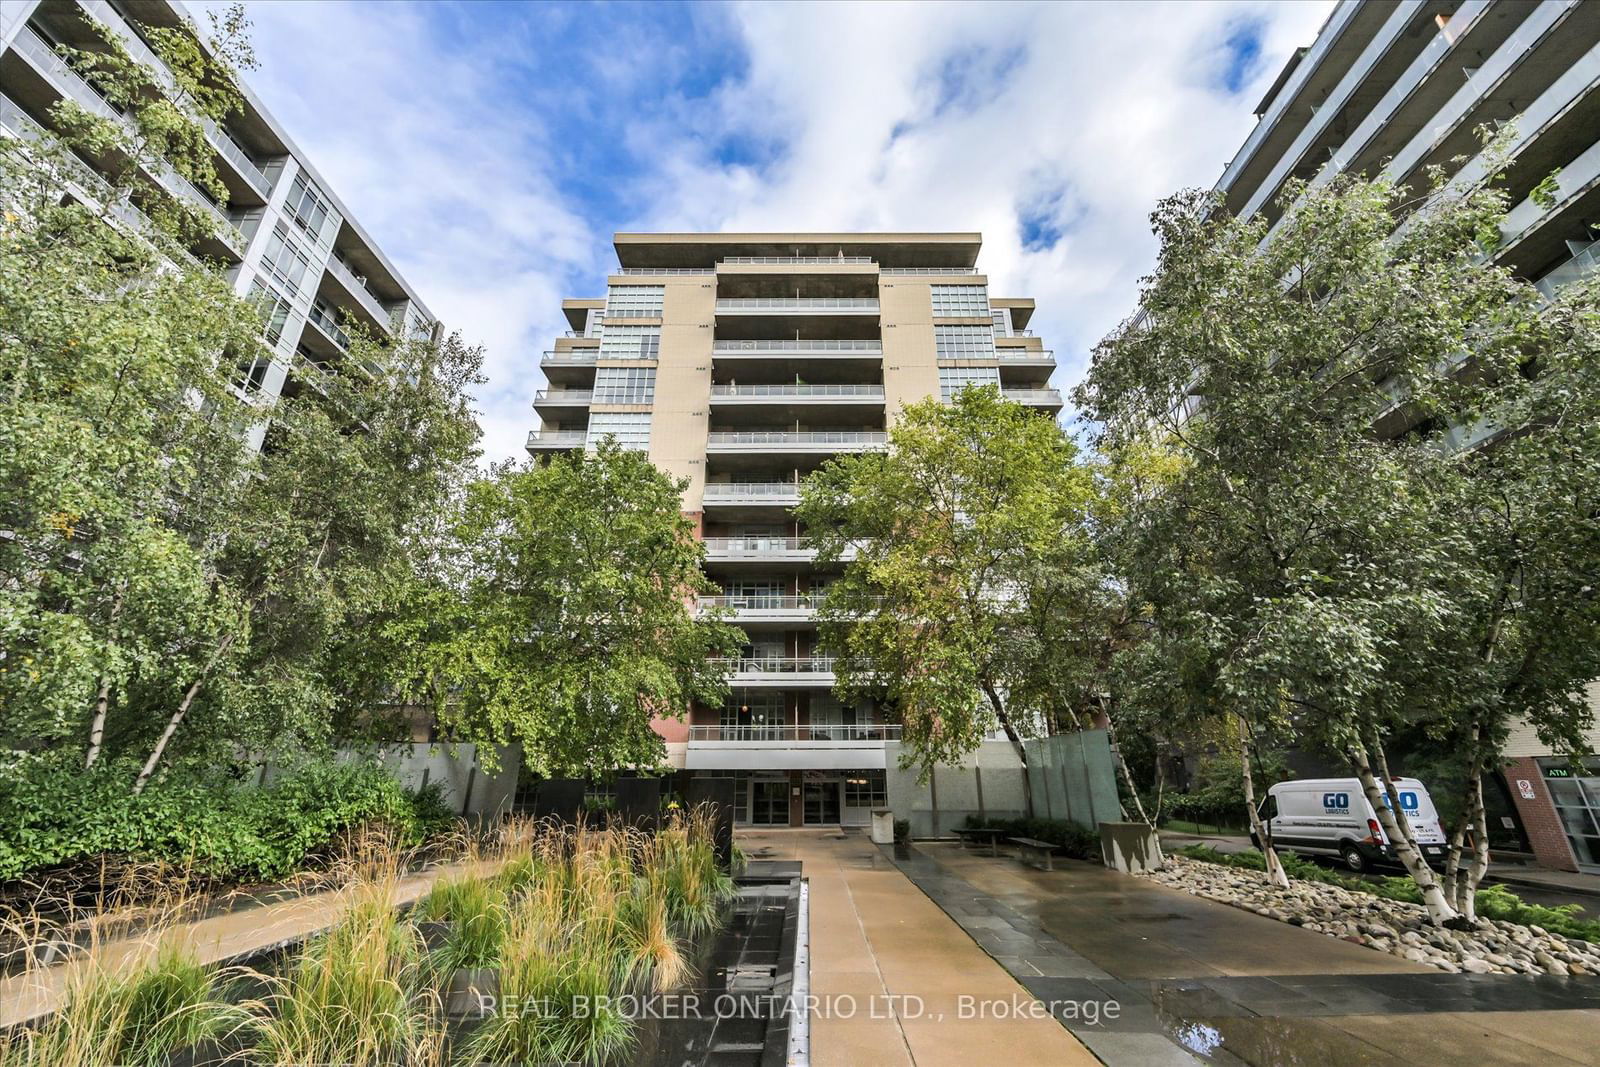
(493, 148)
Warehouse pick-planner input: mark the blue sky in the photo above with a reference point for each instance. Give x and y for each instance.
(492, 148)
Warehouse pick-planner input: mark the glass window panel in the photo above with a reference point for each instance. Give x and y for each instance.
(954, 379)
(631, 429)
(309, 209)
(634, 301)
(624, 385)
(960, 301)
(964, 342)
(631, 342)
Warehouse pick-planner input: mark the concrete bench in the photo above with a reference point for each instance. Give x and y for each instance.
(970, 834)
(1029, 847)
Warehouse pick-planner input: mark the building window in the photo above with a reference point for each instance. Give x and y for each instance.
(964, 342)
(635, 301)
(954, 379)
(866, 789)
(284, 262)
(309, 208)
(631, 342)
(624, 385)
(960, 301)
(631, 429)
(248, 377)
(273, 307)
(1002, 322)
(753, 715)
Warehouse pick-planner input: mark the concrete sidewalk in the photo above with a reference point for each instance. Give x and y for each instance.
(898, 982)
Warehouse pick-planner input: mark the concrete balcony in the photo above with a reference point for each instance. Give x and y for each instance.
(360, 295)
(779, 672)
(797, 306)
(752, 494)
(747, 609)
(789, 395)
(1035, 398)
(776, 442)
(788, 747)
(555, 440)
(763, 549)
(563, 398)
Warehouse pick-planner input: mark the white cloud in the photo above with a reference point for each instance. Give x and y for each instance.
(885, 116)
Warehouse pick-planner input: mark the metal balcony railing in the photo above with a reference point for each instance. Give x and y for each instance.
(556, 439)
(779, 439)
(777, 491)
(665, 270)
(365, 297)
(759, 602)
(789, 733)
(564, 396)
(873, 347)
(928, 270)
(777, 664)
(808, 260)
(797, 303)
(799, 392)
(756, 544)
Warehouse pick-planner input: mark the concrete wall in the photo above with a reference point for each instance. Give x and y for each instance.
(466, 786)
(683, 380)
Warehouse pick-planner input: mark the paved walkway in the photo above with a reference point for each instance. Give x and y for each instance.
(1229, 986)
(898, 982)
(224, 938)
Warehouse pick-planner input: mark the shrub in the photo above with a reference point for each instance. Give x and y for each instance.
(53, 814)
(1076, 841)
(902, 830)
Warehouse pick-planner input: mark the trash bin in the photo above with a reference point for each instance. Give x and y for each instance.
(883, 826)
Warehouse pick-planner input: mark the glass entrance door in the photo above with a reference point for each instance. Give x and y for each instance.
(769, 802)
(1577, 801)
(822, 803)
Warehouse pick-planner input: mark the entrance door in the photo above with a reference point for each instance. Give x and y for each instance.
(822, 803)
(769, 802)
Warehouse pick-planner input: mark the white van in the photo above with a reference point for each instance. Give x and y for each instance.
(1331, 817)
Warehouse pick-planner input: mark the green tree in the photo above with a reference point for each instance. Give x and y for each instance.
(120, 434)
(1301, 571)
(574, 626)
(975, 596)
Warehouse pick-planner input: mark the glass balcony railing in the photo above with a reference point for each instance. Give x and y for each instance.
(759, 602)
(797, 392)
(797, 303)
(798, 260)
(1050, 397)
(776, 492)
(538, 439)
(564, 396)
(577, 357)
(777, 664)
(866, 347)
(780, 439)
(1579, 265)
(928, 270)
(365, 297)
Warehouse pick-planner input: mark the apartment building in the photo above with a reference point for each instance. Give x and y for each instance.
(283, 236)
(741, 362)
(1399, 88)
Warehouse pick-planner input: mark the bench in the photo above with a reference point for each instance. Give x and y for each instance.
(988, 834)
(1028, 847)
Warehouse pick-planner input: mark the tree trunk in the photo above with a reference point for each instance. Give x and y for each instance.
(177, 716)
(1016, 744)
(102, 700)
(1453, 883)
(1468, 893)
(1127, 776)
(1275, 872)
(1439, 909)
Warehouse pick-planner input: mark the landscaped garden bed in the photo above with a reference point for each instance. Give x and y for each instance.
(511, 961)
(1369, 914)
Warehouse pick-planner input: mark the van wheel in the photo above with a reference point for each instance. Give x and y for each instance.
(1353, 859)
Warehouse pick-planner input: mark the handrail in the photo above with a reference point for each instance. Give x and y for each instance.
(1035, 355)
(759, 543)
(365, 297)
(797, 346)
(929, 270)
(867, 392)
(760, 602)
(665, 270)
(792, 733)
(564, 396)
(577, 356)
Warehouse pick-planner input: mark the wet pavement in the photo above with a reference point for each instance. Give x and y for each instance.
(1201, 981)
